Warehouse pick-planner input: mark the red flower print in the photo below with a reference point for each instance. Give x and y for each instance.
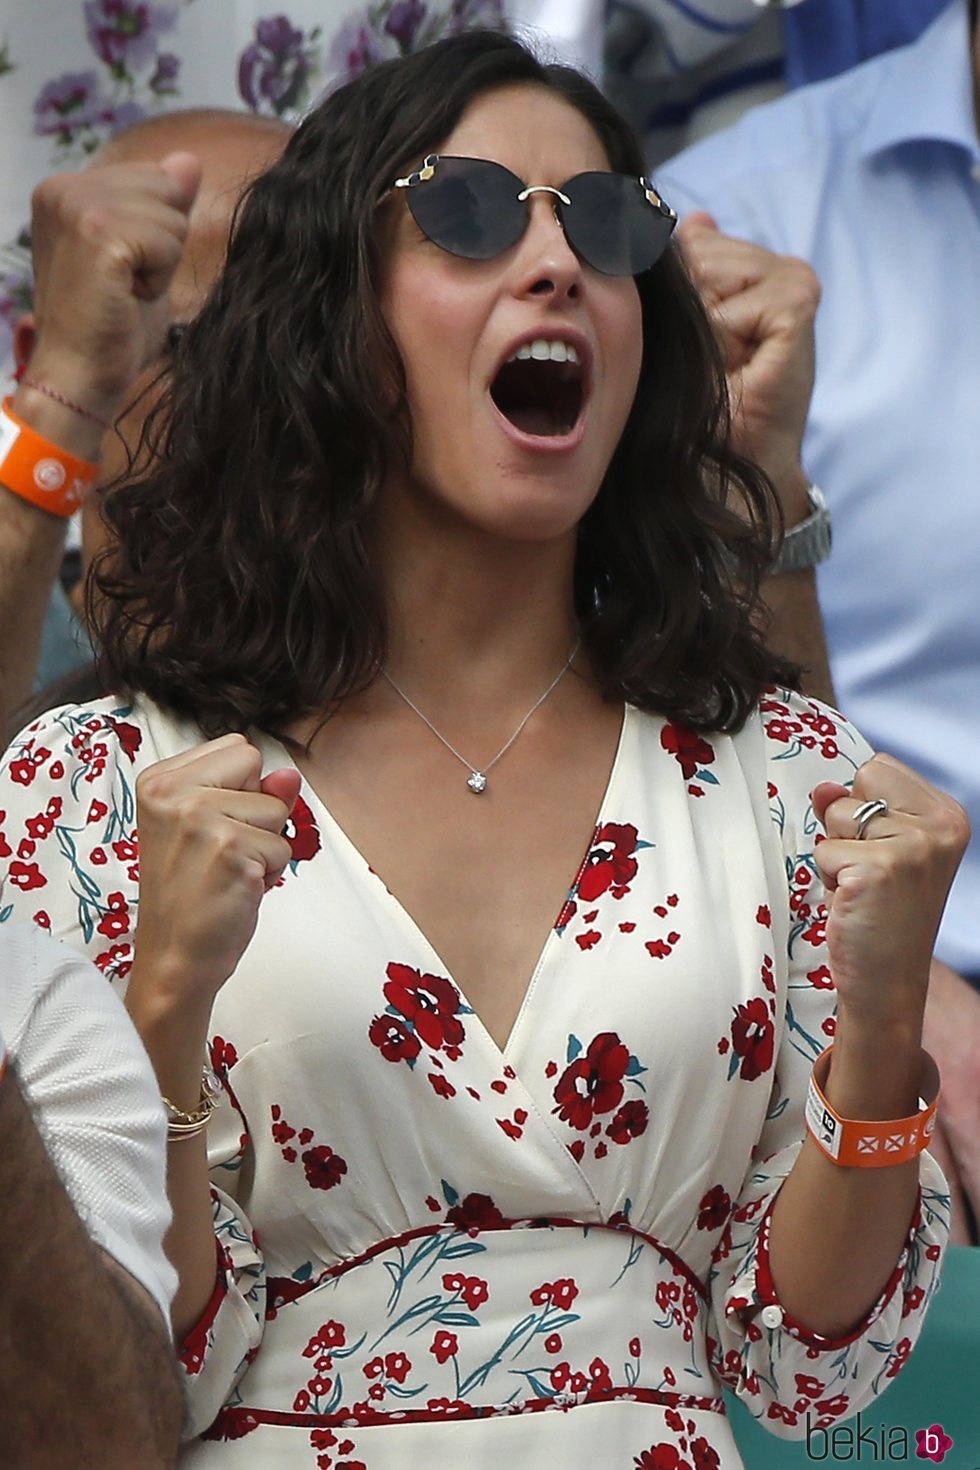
(129, 737)
(223, 1055)
(323, 1168)
(475, 1212)
(667, 1292)
(472, 1289)
(393, 1039)
(899, 1358)
(559, 1293)
(97, 810)
(752, 1038)
(629, 1122)
(634, 1347)
(22, 771)
(610, 863)
(126, 850)
(577, 1150)
(322, 1439)
(43, 921)
(593, 1083)
(116, 961)
(808, 1386)
(429, 1002)
(397, 1367)
(674, 1421)
(38, 827)
(26, 876)
(588, 940)
(661, 1457)
(713, 1209)
(444, 1346)
(687, 747)
(441, 1086)
(331, 1335)
(705, 1456)
(912, 1300)
(552, 1343)
(834, 1407)
(301, 832)
(599, 1373)
(763, 916)
(669, 1377)
(116, 921)
(821, 978)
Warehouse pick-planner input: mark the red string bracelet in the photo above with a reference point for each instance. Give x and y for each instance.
(86, 413)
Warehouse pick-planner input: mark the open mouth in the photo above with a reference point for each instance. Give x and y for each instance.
(541, 389)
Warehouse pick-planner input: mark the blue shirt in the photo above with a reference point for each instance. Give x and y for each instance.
(874, 177)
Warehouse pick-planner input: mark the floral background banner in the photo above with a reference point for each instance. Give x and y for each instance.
(75, 72)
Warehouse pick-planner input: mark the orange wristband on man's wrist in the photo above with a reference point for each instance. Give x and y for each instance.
(39, 471)
(871, 1145)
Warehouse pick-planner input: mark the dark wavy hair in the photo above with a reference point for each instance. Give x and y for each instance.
(240, 589)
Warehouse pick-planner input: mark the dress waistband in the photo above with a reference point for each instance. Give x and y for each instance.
(512, 1317)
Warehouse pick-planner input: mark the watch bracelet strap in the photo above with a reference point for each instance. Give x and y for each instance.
(853, 1143)
(38, 471)
(809, 542)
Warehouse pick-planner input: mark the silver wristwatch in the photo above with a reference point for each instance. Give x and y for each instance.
(807, 544)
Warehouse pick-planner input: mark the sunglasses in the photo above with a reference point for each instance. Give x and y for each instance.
(472, 207)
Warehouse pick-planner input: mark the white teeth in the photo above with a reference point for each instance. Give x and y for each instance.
(543, 351)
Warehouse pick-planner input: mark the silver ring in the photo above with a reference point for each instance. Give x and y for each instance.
(866, 811)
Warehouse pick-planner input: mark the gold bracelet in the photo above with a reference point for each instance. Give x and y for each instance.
(185, 1125)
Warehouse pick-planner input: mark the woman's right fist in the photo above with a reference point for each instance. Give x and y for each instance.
(211, 844)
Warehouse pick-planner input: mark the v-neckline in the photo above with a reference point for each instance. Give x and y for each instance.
(408, 921)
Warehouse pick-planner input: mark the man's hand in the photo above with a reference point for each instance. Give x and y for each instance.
(952, 1035)
(106, 244)
(762, 306)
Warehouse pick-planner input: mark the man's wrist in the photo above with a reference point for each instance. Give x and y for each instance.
(808, 542)
(71, 431)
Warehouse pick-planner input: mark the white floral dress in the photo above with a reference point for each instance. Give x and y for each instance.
(434, 1252)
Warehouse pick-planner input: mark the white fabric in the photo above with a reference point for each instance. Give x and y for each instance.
(91, 1090)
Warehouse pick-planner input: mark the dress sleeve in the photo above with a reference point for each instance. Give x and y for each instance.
(786, 1374)
(217, 1350)
(69, 863)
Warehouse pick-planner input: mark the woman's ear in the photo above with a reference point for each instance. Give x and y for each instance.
(25, 335)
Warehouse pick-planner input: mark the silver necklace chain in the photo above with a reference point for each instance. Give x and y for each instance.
(477, 782)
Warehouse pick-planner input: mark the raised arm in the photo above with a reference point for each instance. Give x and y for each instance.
(106, 243)
(763, 307)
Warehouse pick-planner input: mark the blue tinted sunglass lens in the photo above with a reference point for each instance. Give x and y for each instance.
(612, 225)
(469, 207)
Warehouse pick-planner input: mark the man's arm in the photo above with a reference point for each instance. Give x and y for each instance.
(88, 1373)
(762, 306)
(106, 243)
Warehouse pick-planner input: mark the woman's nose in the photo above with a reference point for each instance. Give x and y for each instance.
(546, 263)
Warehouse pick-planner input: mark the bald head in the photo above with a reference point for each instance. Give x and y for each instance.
(233, 148)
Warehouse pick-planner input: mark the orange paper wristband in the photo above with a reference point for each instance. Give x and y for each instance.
(871, 1145)
(37, 470)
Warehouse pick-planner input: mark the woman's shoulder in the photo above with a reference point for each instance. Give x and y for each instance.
(135, 731)
(796, 727)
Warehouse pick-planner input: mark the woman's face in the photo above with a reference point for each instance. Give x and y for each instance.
(517, 452)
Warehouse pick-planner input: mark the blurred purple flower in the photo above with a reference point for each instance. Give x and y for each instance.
(124, 33)
(67, 103)
(404, 21)
(72, 104)
(163, 79)
(356, 46)
(469, 14)
(274, 70)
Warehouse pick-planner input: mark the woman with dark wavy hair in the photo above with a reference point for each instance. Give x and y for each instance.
(476, 846)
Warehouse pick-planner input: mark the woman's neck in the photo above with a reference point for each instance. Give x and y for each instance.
(494, 620)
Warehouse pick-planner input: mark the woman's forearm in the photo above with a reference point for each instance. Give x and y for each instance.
(175, 1041)
(837, 1233)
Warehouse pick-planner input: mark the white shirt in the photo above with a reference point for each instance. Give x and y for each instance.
(94, 1099)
